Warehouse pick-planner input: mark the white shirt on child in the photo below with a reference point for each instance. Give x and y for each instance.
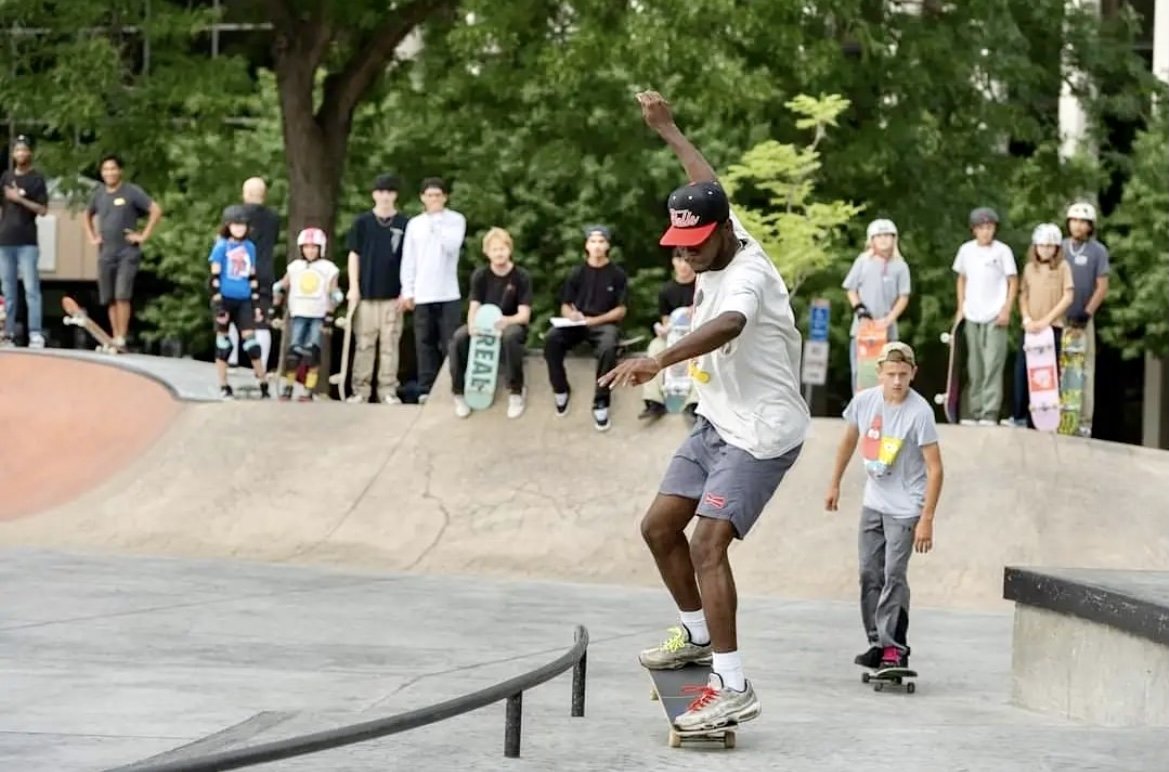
(987, 270)
(308, 287)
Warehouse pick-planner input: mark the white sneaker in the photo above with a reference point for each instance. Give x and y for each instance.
(601, 419)
(356, 399)
(968, 422)
(987, 422)
(391, 399)
(515, 405)
(36, 340)
(462, 409)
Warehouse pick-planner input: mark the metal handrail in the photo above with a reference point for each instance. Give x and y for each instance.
(510, 690)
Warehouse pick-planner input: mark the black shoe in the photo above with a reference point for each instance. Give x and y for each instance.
(225, 392)
(653, 409)
(562, 409)
(870, 659)
(264, 393)
(601, 415)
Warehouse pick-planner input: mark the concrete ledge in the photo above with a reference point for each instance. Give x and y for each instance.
(1091, 645)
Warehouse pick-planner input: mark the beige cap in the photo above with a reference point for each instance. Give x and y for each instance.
(902, 348)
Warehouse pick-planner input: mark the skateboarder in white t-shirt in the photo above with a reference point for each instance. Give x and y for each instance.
(743, 353)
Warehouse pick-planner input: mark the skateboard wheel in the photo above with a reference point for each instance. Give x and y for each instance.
(675, 740)
(653, 695)
(939, 399)
(911, 687)
(945, 337)
(864, 678)
(729, 740)
(878, 687)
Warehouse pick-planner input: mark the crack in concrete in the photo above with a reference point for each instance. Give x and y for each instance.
(428, 476)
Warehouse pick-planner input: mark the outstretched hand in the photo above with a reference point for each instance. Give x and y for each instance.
(655, 109)
(631, 372)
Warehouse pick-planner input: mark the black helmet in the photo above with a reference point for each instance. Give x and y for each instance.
(235, 213)
(983, 214)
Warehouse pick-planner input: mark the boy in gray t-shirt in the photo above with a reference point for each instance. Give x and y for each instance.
(899, 444)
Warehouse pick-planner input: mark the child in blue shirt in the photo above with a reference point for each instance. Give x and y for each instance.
(235, 296)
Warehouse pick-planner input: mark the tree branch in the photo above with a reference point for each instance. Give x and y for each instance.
(344, 90)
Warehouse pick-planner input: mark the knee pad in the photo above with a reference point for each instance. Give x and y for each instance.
(223, 347)
(222, 322)
(252, 347)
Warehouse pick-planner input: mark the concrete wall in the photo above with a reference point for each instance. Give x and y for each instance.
(1084, 670)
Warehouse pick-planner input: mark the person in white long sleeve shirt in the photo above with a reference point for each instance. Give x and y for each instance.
(430, 280)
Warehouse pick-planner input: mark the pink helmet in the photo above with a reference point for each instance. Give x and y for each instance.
(312, 236)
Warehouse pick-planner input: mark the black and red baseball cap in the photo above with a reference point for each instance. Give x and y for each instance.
(695, 211)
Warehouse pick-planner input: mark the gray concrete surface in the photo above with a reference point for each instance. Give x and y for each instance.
(106, 661)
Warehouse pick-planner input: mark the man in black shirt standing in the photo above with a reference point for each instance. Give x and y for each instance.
(375, 287)
(264, 233)
(677, 292)
(594, 297)
(502, 283)
(25, 197)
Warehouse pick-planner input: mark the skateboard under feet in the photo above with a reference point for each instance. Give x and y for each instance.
(670, 689)
(890, 676)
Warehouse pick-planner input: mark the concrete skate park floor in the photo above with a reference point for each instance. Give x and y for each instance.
(107, 661)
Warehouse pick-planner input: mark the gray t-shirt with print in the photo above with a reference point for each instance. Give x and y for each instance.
(892, 436)
(1089, 261)
(879, 283)
(118, 211)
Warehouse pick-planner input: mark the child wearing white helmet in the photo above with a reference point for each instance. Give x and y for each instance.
(1045, 293)
(1089, 262)
(878, 285)
(311, 284)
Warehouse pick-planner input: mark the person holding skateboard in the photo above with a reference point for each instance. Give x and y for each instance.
(1089, 261)
(235, 297)
(504, 284)
(986, 285)
(744, 355)
(311, 284)
(1045, 293)
(903, 462)
(878, 286)
(677, 292)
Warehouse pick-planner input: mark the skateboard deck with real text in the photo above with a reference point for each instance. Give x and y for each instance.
(676, 380)
(951, 400)
(1042, 379)
(675, 690)
(346, 323)
(76, 315)
(890, 676)
(1071, 383)
(483, 358)
(870, 337)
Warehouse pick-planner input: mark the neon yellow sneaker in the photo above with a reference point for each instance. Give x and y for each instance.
(675, 652)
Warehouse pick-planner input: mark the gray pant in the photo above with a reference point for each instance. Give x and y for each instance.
(986, 355)
(886, 543)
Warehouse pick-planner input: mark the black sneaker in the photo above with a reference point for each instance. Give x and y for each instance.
(562, 408)
(225, 392)
(653, 410)
(870, 659)
(264, 393)
(601, 415)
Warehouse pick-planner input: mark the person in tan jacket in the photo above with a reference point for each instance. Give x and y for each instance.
(1044, 295)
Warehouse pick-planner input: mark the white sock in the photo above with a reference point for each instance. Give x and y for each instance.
(695, 623)
(265, 339)
(729, 666)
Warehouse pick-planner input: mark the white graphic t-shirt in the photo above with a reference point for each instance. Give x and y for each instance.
(892, 436)
(749, 389)
(986, 270)
(308, 287)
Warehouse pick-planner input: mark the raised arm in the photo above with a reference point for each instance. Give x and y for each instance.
(656, 111)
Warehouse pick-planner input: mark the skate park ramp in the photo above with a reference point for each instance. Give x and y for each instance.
(409, 488)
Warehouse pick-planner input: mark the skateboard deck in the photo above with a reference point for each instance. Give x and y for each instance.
(76, 315)
(345, 323)
(869, 340)
(1071, 382)
(675, 690)
(890, 676)
(483, 358)
(951, 400)
(1042, 379)
(676, 381)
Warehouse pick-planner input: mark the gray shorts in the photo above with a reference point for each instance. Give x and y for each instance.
(115, 274)
(727, 482)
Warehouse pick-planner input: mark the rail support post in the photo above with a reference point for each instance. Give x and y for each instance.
(578, 685)
(512, 725)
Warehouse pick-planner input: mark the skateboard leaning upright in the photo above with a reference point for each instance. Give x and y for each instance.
(76, 315)
(1042, 379)
(951, 400)
(676, 383)
(482, 358)
(346, 323)
(870, 337)
(1071, 383)
(675, 690)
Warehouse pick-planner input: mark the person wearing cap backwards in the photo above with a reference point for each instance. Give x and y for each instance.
(593, 293)
(1044, 295)
(986, 284)
(878, 285)
(375, 289)
(25, 197)
(899, 446)
(1089, 261)
(744, 356)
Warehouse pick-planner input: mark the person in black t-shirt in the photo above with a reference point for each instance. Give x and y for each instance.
(375, 286)
(594, 297)
(25, 196)
(675, 293)
(502, 283)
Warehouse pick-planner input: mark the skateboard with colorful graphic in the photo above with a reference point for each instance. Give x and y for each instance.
(1071, 381)
(890, 676)
(345, 323)
(482, 368)
(676, 383)
(870, 337)
(676, 690)
(951, 400)
(1042, 379)
(75, 315)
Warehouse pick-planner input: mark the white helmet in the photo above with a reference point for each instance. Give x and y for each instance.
(1047, 234)
(880, 228)
(1082, 211)
(312, 236)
